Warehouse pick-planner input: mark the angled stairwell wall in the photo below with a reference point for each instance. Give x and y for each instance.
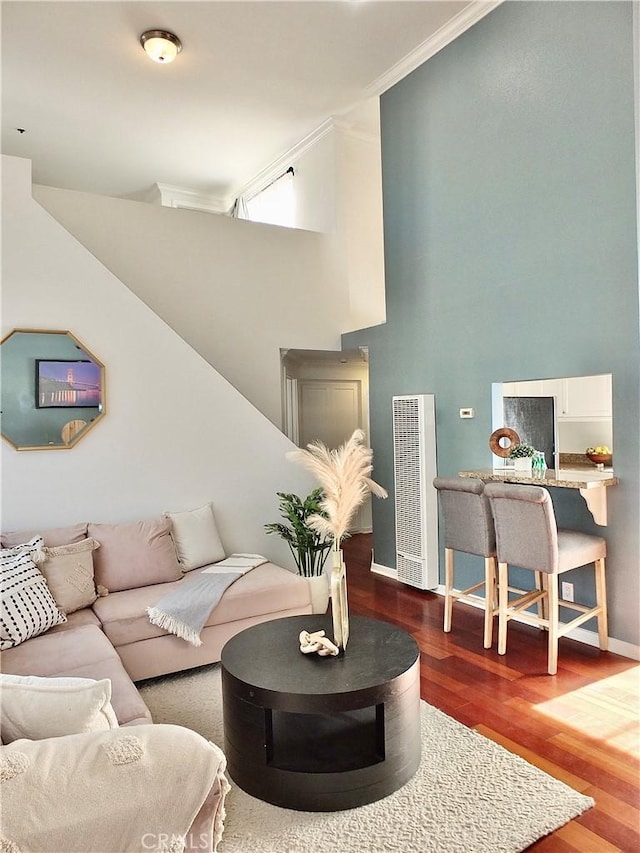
(176, 433)
(235, 290)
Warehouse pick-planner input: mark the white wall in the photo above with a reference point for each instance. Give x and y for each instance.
(338, 190)
(176, 434)
(359, 225)
(576, 436)
(315, 185)
(237, 291)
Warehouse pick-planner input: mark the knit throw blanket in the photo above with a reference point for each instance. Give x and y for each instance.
(185, 610)
(125, 789)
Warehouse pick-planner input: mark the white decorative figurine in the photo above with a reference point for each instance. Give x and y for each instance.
(317, 642)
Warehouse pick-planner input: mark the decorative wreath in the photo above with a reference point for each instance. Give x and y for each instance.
(503, 432)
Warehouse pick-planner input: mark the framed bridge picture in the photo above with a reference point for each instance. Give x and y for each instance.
(67, 384)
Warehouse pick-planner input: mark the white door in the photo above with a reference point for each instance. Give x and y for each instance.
(330, 410)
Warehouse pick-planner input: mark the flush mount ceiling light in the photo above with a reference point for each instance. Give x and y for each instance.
(160, 45)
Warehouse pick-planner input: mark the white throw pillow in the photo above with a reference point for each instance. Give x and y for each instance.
(196, 537)
(27, 607)
(36, 708)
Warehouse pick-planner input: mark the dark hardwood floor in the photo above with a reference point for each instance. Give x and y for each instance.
(580, 726)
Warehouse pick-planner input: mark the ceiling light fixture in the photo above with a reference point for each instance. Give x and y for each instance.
(160, 45)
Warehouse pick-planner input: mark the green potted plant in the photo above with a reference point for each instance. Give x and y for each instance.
(309, 548)
(522, 455)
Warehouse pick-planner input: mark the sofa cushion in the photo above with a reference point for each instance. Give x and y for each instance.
(84, 652)
(196, 537)
(68, 570)
(33, 548)
(52, 538)
(134, 555)
(34, 707)
(27, 606)
(265, 589)
(86, 616)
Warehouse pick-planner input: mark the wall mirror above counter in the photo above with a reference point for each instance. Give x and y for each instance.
(52, 389)
(564, 418)
(579, 415)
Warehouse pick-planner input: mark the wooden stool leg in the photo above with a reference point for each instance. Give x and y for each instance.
(541, 604)
(489, 599)
(601, 601)
(503, 602)
(552, 607)
(448, 586)
(545, 600)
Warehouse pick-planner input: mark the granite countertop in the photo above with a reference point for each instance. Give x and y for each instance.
(575, 460)
(579, 462)
(565, 478)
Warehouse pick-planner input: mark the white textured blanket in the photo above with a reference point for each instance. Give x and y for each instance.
(128, 790)
(185, 610)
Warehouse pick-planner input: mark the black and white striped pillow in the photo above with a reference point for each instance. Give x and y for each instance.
(27, 607)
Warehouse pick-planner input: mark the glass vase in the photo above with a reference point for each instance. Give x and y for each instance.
(339, 605)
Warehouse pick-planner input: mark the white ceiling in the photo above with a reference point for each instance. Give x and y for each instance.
(253, 79)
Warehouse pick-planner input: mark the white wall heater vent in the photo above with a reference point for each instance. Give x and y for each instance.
(414, 453)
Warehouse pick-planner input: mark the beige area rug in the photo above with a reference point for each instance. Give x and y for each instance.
(469, 795)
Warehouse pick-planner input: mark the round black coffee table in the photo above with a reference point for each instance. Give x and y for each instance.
(321, 734)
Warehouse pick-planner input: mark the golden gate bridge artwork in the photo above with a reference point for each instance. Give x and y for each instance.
(68, 384)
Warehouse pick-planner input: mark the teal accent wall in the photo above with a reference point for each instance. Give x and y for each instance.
(511, 249)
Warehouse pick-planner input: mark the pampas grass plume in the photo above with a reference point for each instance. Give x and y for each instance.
(344, 477)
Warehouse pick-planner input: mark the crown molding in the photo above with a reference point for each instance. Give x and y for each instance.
(450, 31)
(259, 181)
(169, 195)
(457, 25)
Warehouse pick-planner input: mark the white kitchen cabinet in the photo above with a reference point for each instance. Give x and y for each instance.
(587, 397)
(577, 398)
(554, 388)
(530, 388)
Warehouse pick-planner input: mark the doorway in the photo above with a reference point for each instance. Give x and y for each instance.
(325, 398)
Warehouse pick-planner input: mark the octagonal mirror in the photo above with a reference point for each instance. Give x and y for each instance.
(52, 389)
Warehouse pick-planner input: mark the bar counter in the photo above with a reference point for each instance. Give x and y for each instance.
(591, 482)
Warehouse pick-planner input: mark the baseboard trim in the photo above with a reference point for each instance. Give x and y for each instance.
(385, 571)
(580, 635)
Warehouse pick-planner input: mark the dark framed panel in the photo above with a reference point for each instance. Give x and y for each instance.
(67, 384)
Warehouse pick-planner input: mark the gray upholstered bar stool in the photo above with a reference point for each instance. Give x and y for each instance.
(468, 527)
(527, 536)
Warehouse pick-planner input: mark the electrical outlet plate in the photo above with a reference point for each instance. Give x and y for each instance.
(467, 413)
(567, 591)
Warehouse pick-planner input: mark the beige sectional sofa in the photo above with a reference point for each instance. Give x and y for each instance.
(113, 637)
(266, 592)
(134, 566)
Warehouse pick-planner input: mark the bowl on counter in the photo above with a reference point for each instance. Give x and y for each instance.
(600, 458)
